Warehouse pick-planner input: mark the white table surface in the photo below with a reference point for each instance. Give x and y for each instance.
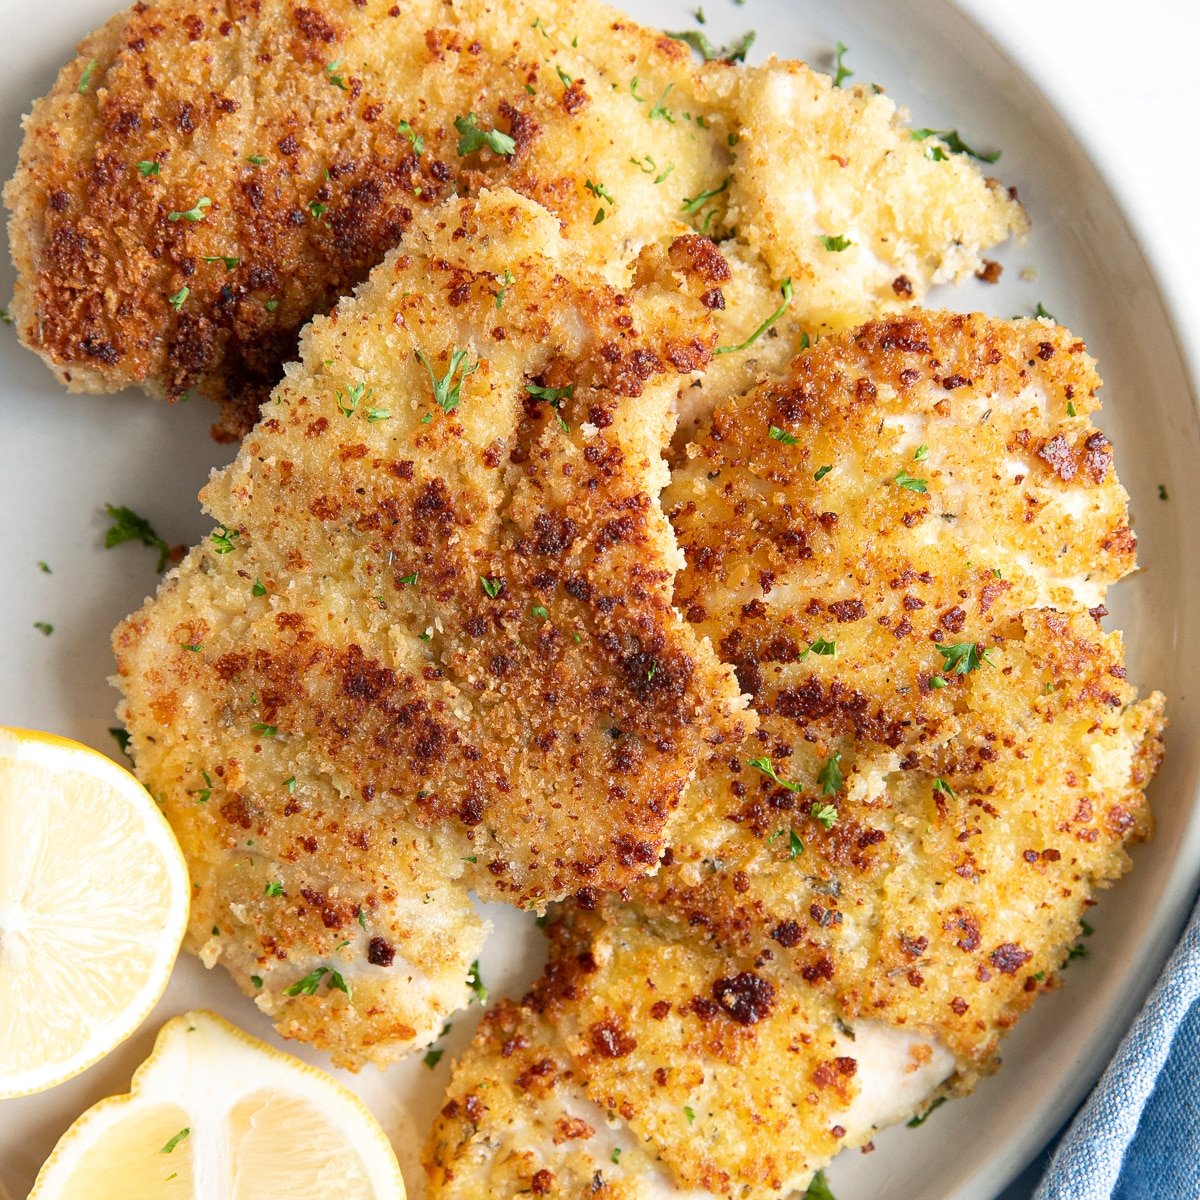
(1124, 78)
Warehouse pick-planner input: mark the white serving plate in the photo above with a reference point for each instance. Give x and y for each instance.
(62, 457)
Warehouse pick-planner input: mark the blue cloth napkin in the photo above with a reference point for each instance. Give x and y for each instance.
(1138, 1135)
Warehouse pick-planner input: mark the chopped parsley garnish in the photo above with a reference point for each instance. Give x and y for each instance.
(44, 567)
(781, 435)
(563, 77)
(229, 261)
(1079, 950)
(1042, 311)
(491, 586)
(193, 214)
(203, 794)
(820, 647)
(309, 984)
(1071, 409)
(843, 72)
(266, 730)
(472, 138)
(447, 394)
(952, 142)
(764, 765)
(936, 682)
(962, 657)
(258, 589)
(255, 160)
(121, 737)
(825, 813)
(1162, 491)
(256, 980)
(362, 918)
(378, 414)
(920, 454)
(176, 301)
(554, 397)
(1087, 929)
(690, 1113)
(290, 784)
(194, 647)
(317, 209)
(224, 539)
(127, 526)
(414, 139)
(696, 203)
(940, 785)
(274, 888)
(348, 401)
(835, 244)
(921, 1118)
(648, 166)
(821, 472)
(795, 845)
(818, 1189)
(179, 1137)
(272, 305)
(148, 167)
(85, 79)
(659, 109)
(476, 984)
(505, 281)
(786, 290)
(334, 75)
(409, 580)
(905, 480)
(45, 627)
(601, 193)
(6, 317)
(434, 1055)
(615, 1156)
(735, 52)
(830, 776)
(537, 611)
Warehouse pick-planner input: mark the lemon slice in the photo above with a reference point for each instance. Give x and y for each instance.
(214, 1114)
(93, 905)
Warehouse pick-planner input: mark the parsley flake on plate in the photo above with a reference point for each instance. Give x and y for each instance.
(127, 526)
(843, 72)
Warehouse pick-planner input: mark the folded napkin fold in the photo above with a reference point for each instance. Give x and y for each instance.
(1137, 1137)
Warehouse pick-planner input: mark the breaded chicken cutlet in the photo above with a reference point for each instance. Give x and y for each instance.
(903, 547)
(431, 645)
(205, 177)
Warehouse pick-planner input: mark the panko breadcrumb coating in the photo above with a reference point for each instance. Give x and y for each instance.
(903, 547)
(430, 646)
(205, 177)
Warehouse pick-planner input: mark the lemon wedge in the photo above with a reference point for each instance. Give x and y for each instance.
(94, 900)
(214, 1114)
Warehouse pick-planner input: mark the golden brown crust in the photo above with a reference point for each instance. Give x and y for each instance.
(450, 624)
(902, 844)
(300, 125)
